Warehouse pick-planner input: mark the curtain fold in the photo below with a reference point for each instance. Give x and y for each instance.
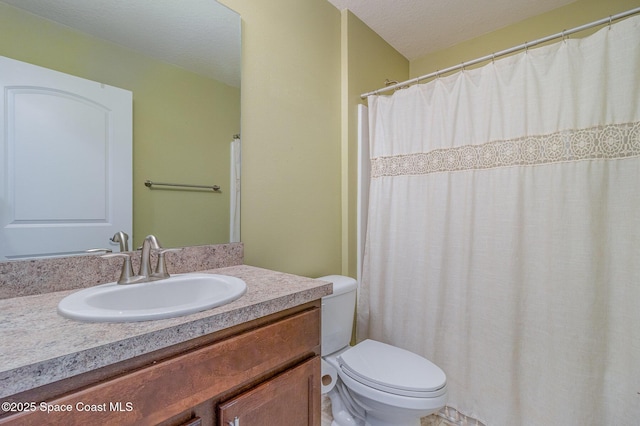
(503, 237)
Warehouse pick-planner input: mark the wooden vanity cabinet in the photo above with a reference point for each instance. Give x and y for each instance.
(289, 397)
(264, 372)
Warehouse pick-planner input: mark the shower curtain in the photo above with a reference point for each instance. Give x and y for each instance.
(234, 190)
(503, 238)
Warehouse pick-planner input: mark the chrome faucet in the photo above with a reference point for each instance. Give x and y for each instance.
(150, 242)
(122, 238)
(145, 273)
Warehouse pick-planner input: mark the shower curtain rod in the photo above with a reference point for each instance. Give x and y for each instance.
(523, 46)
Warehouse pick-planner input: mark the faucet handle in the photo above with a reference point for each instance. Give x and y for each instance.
(98, 250)
(161, 267)
(126, 275)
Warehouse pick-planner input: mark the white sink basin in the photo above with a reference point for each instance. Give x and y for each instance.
(181, 294)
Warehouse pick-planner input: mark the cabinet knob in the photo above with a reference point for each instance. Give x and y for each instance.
(235, 422)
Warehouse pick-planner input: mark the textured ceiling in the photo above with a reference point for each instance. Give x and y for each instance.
(202, 36)
(416, 28)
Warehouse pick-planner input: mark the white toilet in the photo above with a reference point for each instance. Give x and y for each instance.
(372, 383)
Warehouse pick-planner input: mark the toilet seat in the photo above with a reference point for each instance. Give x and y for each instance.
(393, 370)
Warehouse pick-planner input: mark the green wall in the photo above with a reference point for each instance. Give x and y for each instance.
(572, 15)
(369, 61)
(182, 124)
(291, 218)
(304, 67)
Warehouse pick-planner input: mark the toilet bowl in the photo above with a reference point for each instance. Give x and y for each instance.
(376, 384)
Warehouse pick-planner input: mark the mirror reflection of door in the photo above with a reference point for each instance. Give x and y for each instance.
(68, 139)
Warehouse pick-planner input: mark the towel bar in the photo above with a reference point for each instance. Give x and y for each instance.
(149, 184)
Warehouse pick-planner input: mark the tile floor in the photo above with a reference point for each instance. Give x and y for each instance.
(327, 418)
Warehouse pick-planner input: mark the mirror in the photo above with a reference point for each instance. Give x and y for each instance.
(181, 61)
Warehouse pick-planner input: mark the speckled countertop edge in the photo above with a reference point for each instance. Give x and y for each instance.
(39, 347)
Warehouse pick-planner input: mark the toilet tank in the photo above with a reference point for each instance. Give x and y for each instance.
(337, 313)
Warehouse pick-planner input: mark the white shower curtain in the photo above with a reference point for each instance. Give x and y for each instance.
(503, 236)
(234, 190)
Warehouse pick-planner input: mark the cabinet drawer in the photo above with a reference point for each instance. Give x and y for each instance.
(158, 392)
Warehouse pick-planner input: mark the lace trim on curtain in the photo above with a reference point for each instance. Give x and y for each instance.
(601, 142)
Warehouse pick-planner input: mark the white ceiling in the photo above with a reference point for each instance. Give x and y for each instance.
(202, 36)
(416, 28)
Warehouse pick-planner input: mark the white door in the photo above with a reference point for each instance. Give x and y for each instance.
(65, 162)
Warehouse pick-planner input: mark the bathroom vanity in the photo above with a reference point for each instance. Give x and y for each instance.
(254, 361)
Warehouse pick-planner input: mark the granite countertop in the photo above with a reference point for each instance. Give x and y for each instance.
(40, 347)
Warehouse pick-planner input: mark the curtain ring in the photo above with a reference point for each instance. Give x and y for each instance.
(437, 74)
(610, 19)
(463, 69)
(564, 36)
(526, 47)
(493, 58)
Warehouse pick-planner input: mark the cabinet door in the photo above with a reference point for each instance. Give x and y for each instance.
(290, 399)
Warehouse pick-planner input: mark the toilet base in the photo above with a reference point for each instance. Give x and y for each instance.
(341, 414)
(345, 412)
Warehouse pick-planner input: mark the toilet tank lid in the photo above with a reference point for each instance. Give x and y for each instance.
(341, 284)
